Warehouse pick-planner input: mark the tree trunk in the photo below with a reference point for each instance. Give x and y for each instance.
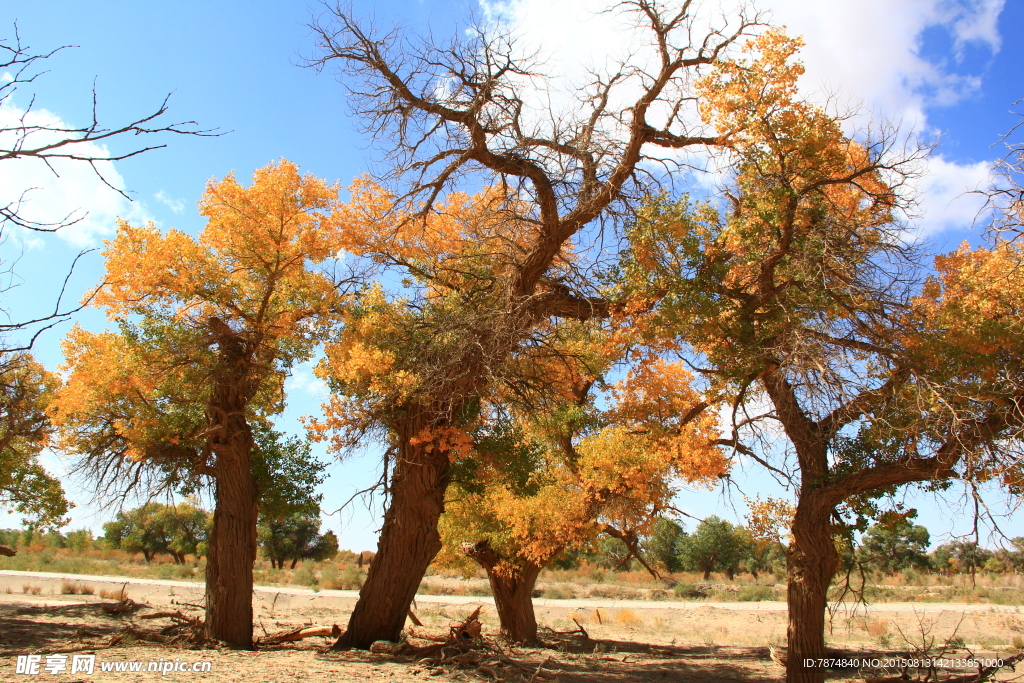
(233, 537)
(812, 562)
(513, 596)
(232, 549)
(512, 587)
(295, 561)
(409, 539)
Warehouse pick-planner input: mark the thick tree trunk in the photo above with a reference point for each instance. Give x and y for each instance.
(295, 561)
(513, 596)
(233, 538)
(512, 587)
(812, 562)
(409, 540)
(232, 548)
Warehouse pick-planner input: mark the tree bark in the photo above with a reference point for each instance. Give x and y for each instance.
(812, 561)
(233, 538)
(512, 587)
(409, 539)
(232, 547)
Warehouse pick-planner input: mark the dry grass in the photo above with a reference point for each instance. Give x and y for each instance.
(877, 627)
(120, 595)
(626, 617)
(76, 588)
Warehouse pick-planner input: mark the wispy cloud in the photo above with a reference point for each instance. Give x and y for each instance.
(175, 205)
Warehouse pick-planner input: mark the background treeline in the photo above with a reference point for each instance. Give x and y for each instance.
(181, 532)
(715, 546)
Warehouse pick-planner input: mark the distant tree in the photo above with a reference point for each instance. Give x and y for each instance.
(137, 531)
(156, 529)
(287, 474)
(665, 543)
(894, 545)
(713, 547)
(960, 557)
(295, 538)
(79, 540)
(187, 529)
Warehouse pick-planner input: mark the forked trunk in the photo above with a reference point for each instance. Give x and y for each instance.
(232, 546)
(512, 587)
(812, 562)
(409, 540)
(513, 596)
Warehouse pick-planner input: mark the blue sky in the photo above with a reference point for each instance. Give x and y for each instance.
(949, 69)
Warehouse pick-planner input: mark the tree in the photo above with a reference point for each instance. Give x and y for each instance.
(155, 529)
(665, 544)
(25, 386)
(562, 474)
(960, 557)
(172, 398)
(895, 544)
(448, 113)
(295, 538)
(799, 294)
(714, 546)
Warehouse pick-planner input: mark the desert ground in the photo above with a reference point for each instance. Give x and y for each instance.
(585, 640)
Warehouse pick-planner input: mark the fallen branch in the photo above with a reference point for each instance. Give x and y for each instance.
(300, 633)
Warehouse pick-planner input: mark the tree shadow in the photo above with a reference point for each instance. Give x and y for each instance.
(35, 628)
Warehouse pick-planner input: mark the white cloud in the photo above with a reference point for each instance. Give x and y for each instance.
(303, 379)
(947, 201)
(867, 53)
(175, 205)
(66, 189)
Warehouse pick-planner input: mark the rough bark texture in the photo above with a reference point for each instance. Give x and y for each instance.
(812, 561)
(512, 587)
(233, 538)
(409, 540)
(232, 551)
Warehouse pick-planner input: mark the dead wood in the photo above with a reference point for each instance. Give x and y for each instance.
(300, 633)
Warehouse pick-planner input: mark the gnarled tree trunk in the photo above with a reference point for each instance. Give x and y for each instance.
(233, 538)
(232, 552)
(512, 587)
(409, 539)
(812, 561)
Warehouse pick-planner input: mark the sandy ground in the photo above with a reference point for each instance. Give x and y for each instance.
(626, 640)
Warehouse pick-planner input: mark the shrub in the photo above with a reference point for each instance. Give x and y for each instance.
(755, 593)
(349, 578)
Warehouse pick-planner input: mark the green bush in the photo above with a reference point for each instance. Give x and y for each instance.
(347, 579)
(305, 577)
(755, 593)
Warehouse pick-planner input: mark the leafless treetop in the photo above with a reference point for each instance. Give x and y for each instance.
(446, 111)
